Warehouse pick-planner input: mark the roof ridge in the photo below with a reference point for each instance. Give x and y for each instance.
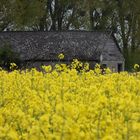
(62, 31)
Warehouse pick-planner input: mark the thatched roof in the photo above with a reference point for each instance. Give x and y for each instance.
(47, 46)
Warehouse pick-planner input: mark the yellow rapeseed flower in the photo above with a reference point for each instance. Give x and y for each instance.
(61, 56)
(69, 103)
(136, 66)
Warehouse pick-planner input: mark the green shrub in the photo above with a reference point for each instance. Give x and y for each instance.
(7, 56)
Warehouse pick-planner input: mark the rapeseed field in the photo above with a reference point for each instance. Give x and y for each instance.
(69, 104)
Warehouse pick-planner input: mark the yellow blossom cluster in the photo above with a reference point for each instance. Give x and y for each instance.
(66, 104)
(61, 56)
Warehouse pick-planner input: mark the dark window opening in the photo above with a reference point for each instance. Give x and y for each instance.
(120, 67)
(104, 66)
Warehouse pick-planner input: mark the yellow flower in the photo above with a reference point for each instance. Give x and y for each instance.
(61, 56)
(136, 127)
(107, 71)
(12, 134)
(136, 66)
(13, 66)
(47, 68)
(86, 66)
(82, 134)
(68, 103)
(108, 138)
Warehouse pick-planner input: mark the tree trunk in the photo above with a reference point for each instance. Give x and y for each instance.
(91, 19)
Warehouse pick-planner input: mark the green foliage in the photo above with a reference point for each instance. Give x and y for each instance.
(135, 58)
(27, 13)
(8, 56)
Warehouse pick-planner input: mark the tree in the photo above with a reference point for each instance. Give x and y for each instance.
(5, 14)
(42, 14)
(127, 15)
(123, 18)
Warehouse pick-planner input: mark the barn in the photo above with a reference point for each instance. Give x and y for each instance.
(36, 48)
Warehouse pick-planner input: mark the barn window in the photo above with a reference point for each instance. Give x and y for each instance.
(104, 66)
(120, 67)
